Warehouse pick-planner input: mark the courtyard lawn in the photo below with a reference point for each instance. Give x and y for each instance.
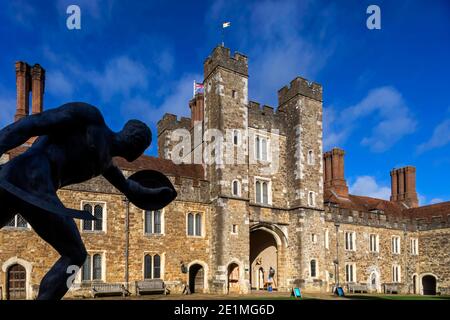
(394, 297)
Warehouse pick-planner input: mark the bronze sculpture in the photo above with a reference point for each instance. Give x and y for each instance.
(74, 145)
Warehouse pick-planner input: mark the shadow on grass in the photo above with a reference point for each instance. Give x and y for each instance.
(396, 297)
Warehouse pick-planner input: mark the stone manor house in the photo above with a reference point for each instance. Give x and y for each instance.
(281, 203)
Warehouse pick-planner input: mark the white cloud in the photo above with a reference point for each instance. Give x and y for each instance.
(58, 84)
(395, 120)
(440, 137)
(436, 200)
(368, 186)
(279, 51)
(276, 37)
(120, 76)
(176, 102)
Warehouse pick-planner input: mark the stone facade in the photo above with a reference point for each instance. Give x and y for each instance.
(255, 191)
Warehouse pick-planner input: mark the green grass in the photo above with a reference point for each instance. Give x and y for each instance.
(395, 297)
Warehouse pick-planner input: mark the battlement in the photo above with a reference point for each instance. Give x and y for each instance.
(302, 87)
(265, 117)
(221, 56)
(380, 219)
(264, 110)
(170, 122)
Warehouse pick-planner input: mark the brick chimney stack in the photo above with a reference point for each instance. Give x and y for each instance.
(197, 107)
(37, 88)
(403, 186)
(334, 172)
(22, 90)
(29, 79)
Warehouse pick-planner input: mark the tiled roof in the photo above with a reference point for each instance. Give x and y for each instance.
(389, 208)
(165, 166)
(194, 171)
(427, 212)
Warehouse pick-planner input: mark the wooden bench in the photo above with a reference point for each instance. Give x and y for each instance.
(354, 287)
(108, 289)
(151, 286)
(391, 288)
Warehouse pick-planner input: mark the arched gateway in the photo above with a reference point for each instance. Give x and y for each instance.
(267, 243)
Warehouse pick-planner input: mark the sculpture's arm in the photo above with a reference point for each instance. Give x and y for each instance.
(132, 189)
(59, 119)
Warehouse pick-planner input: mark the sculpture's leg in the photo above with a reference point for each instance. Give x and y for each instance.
(6, 214)
(63, 235)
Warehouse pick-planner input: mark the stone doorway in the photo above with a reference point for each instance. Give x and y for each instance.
(429, 285)
(263, 256)
(16, 282)
(233, 278)
(374, 282)
(196, 278)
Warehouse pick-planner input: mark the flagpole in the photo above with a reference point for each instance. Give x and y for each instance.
(222, 35)
(193, 90)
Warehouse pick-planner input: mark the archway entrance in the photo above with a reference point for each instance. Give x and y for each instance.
(374, 282)
(16, 282)
(196, 278)
(429, 285)
(233, 278)
(263, 257)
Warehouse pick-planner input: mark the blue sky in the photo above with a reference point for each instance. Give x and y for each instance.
(386, 92)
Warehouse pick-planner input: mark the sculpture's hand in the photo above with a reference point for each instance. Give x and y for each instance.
(135, 191)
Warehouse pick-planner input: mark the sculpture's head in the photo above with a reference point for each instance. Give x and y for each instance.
(134, 138)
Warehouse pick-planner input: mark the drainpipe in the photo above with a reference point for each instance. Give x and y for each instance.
(337, 254)
(127, 238)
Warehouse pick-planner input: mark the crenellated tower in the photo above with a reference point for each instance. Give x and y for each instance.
(226, 161)
(302, 104)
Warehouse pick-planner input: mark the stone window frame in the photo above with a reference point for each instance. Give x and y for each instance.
(234, 94)
(310, 157)
(238, 194)
(162, 260)
(262, 180)
(91, 254)
(353, 241)
(396, 272)
(311, 198)
(233, 231)
(236, 137)
(259, 137)
(163, 223)
(396, 244)
(316, 265)
(352, 272)
(202, 224)
(16, 227)
(314, 237)
(414, 246)
(93, 203)
(326, 239)
(377, 243)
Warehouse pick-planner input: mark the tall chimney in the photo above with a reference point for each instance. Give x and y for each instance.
(403, 186)
(37, 88)
(22, 90)
(196, 104)
(334, 172)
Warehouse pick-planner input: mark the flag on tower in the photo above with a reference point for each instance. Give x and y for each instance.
(226, 24)
(198, 87)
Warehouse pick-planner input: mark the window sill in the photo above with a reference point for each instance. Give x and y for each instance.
(93, 232)
(195, 237)
(154, 234)
(263, 205)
